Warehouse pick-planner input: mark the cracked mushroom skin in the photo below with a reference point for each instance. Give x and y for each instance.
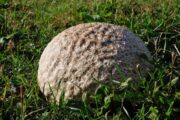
(81, 55)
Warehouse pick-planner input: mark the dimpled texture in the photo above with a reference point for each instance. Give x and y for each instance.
(81, 55)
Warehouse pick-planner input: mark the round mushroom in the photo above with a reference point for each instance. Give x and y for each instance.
(81, 55)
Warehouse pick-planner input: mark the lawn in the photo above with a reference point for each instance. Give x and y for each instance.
(26, 26)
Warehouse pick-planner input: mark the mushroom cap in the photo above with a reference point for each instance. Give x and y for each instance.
(83, 54)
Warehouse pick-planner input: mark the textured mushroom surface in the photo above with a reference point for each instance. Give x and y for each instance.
(83, 54)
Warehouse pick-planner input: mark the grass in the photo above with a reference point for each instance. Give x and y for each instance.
(27, 26)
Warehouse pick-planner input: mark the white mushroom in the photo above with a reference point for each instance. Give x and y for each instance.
(81, 54)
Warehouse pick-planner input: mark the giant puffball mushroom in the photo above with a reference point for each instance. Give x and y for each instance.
(82, 54)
